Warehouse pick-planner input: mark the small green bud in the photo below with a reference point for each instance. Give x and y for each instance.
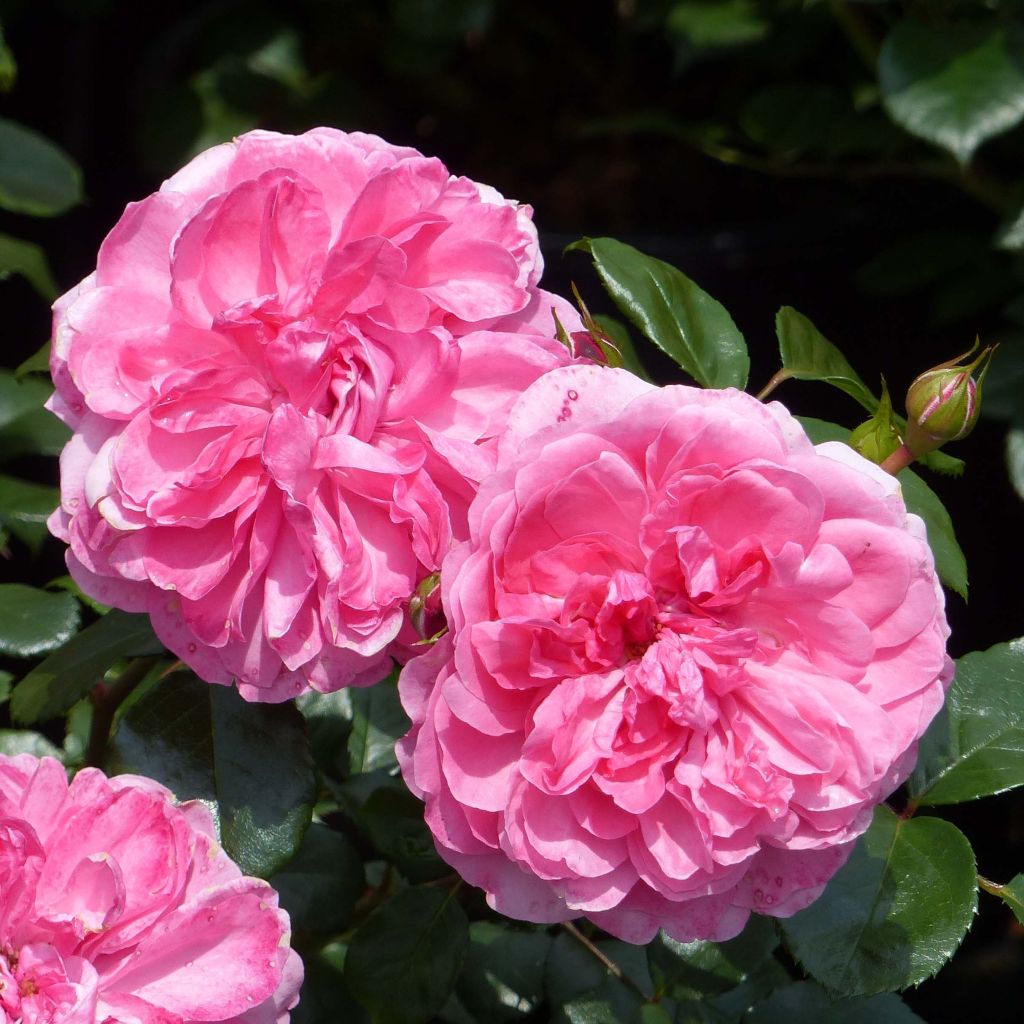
(943, 403)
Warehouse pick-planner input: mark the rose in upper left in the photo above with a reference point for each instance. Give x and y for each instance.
(284, 380)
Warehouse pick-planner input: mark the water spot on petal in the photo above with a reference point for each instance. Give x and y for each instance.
(573, 395)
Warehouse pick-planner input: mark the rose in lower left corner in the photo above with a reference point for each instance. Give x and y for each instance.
(116, 904)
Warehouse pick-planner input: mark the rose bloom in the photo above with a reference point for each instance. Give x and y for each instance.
(284, 379)
(118, 907)
(689, 651)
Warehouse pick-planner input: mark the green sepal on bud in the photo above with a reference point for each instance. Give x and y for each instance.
(878, 437)
(593, 343)
(425, 611)
(943, 402)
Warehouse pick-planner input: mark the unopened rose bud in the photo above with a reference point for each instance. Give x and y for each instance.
(943, 403)
(425, 610)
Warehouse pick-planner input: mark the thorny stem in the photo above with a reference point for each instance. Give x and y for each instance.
(606, 960)
(899, 460)
(106, 703)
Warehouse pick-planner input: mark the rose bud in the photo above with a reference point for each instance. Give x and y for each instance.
(943, 403)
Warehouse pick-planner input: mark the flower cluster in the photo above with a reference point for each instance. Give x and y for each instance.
(118, 905)
(689, 652)
(284, 379)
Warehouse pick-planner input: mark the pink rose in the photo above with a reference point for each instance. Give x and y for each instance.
(284, 378)
(689, 652)
(118, 905)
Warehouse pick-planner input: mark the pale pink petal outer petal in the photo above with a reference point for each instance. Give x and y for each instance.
(688, 653)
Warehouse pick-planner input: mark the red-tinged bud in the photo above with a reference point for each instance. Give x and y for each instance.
(943, 403)
(425, 610)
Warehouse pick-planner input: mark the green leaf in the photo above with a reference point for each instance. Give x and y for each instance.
(954, 84)
(806, 1001)
(36, 176)
(393, 819)
(20, 397)
(325, 997)
(503, 977)
(8, 66)
(672, 311)
(878, 437)
(894, 913)
(249, 762)
(619, 333)
(33, 621)
(328, 722)
(26, 428)
(320, 885)
(27, 259)
(5, 686)
(949, 559)
(403, 960)
(975, 745)
(713, 24)
(377, 722)
(38, 362)
(808, 355)
(70, 673)
(710, 967)
(1012, 894)
(24, 741)
(24, 509)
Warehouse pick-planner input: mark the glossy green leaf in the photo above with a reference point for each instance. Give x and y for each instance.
(894, 913)
(328, 723)
(610, 1003)
(24, 509)
(1012, 894)
(769, 975)
(325, 997)
(710, 967)
(503, 976)
(38, 362)
(393, 819)
(36, 176)
(5, 686)
(922, 501)
(33, 622)
(672, 311)
(403, 960)
(808, 355)
(25, 741)
(320, 885)
(377, 722)
(249, 762)
(975, 745)
(26, 428)
(806, 1001)
(955, 85)
(70, 673)
(29, 261)
(949, 558)
(18, 397)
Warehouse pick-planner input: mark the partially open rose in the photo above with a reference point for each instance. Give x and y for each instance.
(284, 379)
(118, 905)
(689, 652)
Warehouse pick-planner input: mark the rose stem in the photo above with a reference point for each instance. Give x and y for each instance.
(610, 964)
(104, 709)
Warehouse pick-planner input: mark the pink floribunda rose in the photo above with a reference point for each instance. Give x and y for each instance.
(689, 651)
(284, 378)
(118, 907)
